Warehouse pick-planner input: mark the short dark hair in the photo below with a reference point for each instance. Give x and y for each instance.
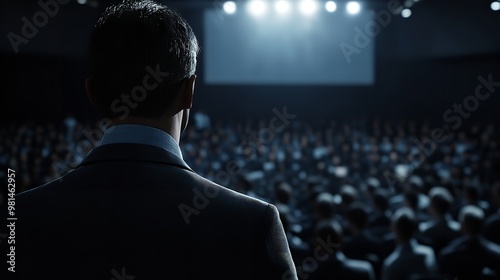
(349, 194)
(357, 215)
(325, 205)
(372, 184)
(405, 223)
(441, 200)
(471, 217)
(415, 182)
(127, 39)
(329, 230)
(380, 200)
(411, 197)
(283, 192)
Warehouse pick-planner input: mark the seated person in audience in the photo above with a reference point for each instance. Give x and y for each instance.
(409, 257)
(470, 256)
(283, 193)
(298, 248)
(332, 263)
(492, 224)
(472, 196)
(415, 184)
(442, 229)
(349, 195)
(323, 210)
(361, 243)
(325, 207)
(371, 185)
(379, 220)
(411, 201)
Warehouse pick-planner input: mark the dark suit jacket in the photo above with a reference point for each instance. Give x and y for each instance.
(492, 228)
(466, 257)
(138, 210)
(438, 234)
(379, 223)
(364, 247)
(361, 245)
(339, 267)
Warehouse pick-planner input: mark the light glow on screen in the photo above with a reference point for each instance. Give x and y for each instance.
(285, 50)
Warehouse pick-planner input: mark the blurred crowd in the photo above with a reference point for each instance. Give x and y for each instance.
(358, 198)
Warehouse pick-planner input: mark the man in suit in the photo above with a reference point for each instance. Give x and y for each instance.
(442, 229)
(133, 208)
(411, 200)
(471, 256)
(379, 221)
(361, 243)
(329, 262)
(409, 258)
(414, 184)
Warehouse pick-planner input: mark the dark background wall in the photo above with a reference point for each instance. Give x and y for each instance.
(424, 64)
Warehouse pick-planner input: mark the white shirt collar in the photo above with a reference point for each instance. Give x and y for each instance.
(141, 134)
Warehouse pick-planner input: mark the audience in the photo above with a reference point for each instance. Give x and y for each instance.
(411, 200)
(471, 256)
(361, 245)
(441, 229)
(472, 197)
(332, 263)
(415, 184)
(342, 179)
(409, 258)
(380, 220)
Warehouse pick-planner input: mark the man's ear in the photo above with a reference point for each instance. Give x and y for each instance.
(92, 92)
(188, 92)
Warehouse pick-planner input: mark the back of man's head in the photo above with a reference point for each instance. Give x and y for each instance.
(328, 232)
(139, 52)
(411, 199)
(404, 224)
(380, 200)
(283, 192)
(372, 184)
(357, 216)
(325, 205)
(471, 218)
(349, 194)
(415, 183)
(441, 201)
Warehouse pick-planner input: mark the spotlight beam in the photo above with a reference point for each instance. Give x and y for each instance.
(353, 7)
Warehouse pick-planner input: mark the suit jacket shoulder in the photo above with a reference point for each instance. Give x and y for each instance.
(140, 208)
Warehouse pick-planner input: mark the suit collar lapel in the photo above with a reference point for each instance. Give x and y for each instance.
(133, 152)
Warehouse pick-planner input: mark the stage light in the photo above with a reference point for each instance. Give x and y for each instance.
(308, 7)
(406, 13)
(257, 7)
(495, 6)
(82, 2)
(282, 7)
(353, 7)
(229, 7)
(330, 6)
